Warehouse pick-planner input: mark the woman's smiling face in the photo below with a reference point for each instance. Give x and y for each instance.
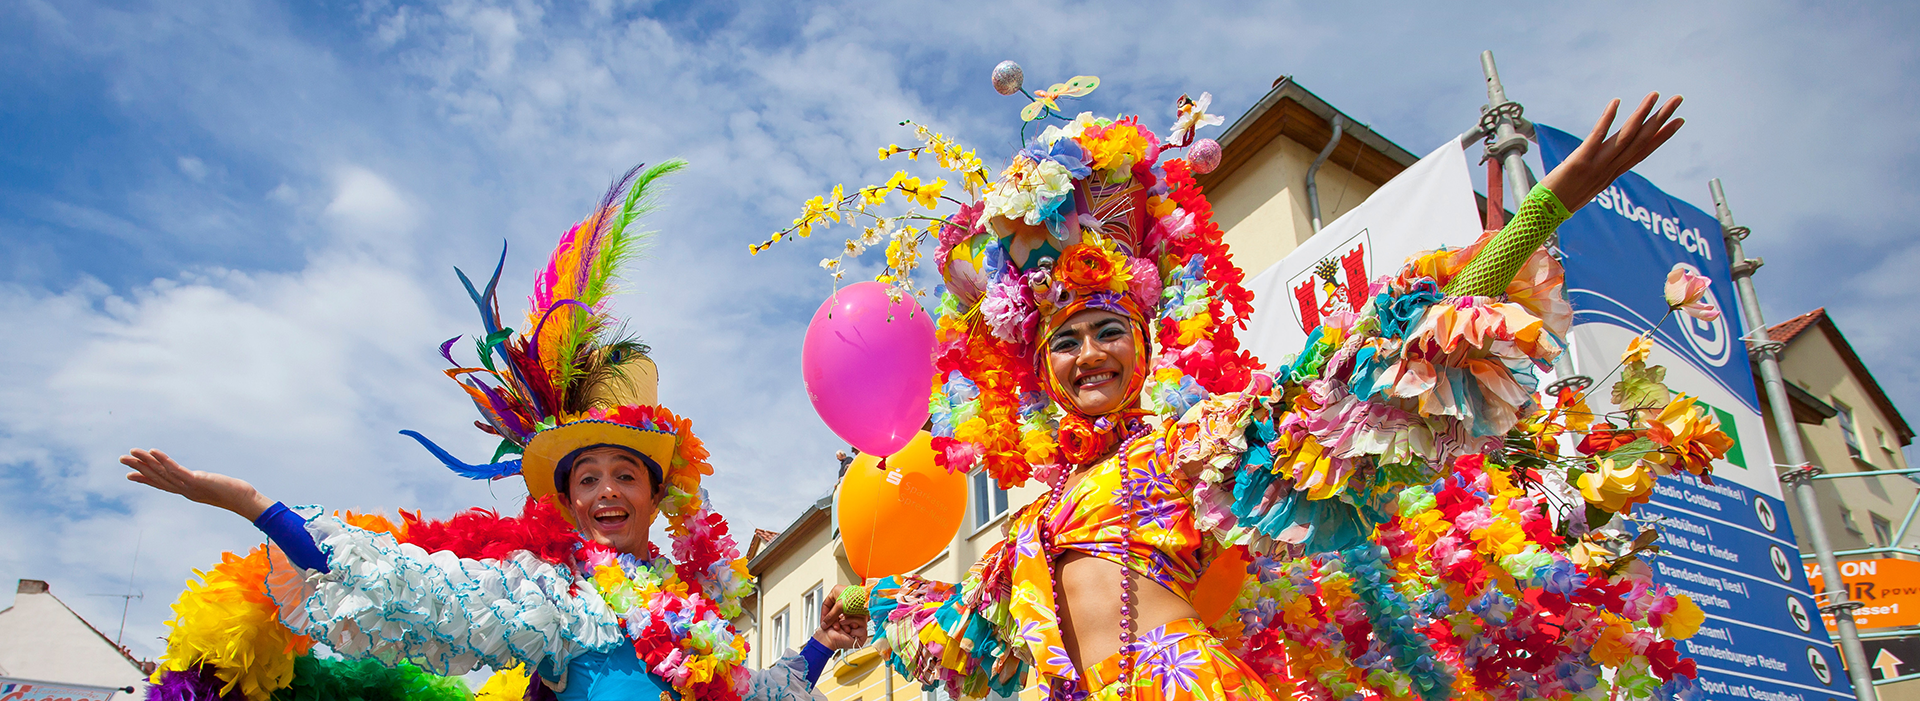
(1092, 357)
(613, 499)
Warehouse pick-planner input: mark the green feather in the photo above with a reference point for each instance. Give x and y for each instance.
(623, 244)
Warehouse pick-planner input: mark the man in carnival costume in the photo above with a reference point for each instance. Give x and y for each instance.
(572, 589)
(1375, 488)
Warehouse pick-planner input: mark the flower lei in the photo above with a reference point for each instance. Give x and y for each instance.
(676, 610)
(1436, 606)
(677, 631)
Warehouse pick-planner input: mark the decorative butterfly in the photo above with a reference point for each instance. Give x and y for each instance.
(1043, 100)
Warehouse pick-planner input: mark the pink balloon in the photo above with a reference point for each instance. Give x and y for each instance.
(868, 364)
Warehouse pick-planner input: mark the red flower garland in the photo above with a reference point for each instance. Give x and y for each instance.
(1227, 368)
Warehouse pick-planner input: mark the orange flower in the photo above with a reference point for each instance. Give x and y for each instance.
(1691, 435)
(1085, 266)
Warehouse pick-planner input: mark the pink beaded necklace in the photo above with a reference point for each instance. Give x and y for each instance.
(1056, 495)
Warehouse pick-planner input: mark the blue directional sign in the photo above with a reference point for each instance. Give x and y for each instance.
(1619, 249)
(1728, 543)
(1732, 550)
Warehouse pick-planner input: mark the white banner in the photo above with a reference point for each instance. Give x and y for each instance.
(1427, 205)
(29, 690)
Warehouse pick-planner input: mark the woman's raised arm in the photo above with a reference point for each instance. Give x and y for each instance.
(155, 469)
(1601, 158)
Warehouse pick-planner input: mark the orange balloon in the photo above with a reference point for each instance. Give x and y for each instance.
(897, 513)
(1220, 584)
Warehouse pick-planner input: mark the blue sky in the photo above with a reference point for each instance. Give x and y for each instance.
(228, 229)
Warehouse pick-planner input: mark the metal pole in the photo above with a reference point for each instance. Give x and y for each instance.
(1510, 132)
(1507, 133)
(1799, 478)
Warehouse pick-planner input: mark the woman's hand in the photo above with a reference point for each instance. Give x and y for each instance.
(1601, 158)
(840, 630)
(154, 469)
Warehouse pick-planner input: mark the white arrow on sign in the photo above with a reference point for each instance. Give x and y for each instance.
(1799, 613)
(1888, 665)
(1819, 664)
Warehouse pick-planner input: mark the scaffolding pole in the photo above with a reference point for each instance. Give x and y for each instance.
(1800, 473)
(1506, 133)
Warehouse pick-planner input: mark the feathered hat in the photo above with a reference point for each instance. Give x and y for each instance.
(577, 379)
(1086, 215)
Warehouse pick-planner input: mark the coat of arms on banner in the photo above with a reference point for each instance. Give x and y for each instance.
(1335, 283)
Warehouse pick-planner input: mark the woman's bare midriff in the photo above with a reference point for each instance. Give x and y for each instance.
(1090, 621)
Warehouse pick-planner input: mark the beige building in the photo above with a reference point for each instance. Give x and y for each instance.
(1259, 191)
(1849, 426)
(1260, 202)
(41, 640)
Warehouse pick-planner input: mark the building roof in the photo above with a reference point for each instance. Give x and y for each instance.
(1793, 329)
(1790, 329)
(761, 537)
(816, 515)
(42, 638)
(1296, 113)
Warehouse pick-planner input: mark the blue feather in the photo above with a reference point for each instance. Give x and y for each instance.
(489, 471)
(488, 317)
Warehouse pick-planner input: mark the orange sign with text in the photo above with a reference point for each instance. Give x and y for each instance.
(1890, 590)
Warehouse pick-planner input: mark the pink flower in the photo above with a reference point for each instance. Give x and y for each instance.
(1178, 225)
(966, 218)
(1145, 283)
(1008, 311)
(962, 456)
(1047, 473)
(1687, 292)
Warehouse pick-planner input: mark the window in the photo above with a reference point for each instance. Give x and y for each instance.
(1848, 430)
(989, 500)
(779, 640)
(1882, 530)
(1846, 520)
(811, 602)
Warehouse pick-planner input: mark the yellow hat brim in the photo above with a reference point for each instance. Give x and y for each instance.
(544, 452)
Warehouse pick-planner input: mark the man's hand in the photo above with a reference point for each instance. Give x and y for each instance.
(154, 469)
(1601, 159)
(840, 630)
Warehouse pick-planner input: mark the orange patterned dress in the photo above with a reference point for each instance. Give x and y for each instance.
(1009, 594)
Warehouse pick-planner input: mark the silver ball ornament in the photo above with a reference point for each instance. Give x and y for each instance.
(1007, 78)
(1204, 156)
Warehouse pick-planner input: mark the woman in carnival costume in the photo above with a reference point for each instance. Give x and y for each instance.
(1380, 488)
(572, 589)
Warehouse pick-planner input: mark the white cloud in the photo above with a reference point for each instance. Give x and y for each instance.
(194, 168)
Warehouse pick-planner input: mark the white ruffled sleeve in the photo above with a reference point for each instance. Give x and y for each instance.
(784, 680)
(394, 601)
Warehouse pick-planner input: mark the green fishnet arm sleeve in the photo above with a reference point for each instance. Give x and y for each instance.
(1496, 264)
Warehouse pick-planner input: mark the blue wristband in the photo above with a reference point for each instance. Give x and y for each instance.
(287, 530)
(816, 656)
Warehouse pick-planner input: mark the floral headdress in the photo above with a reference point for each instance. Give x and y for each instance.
(1086, 215)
